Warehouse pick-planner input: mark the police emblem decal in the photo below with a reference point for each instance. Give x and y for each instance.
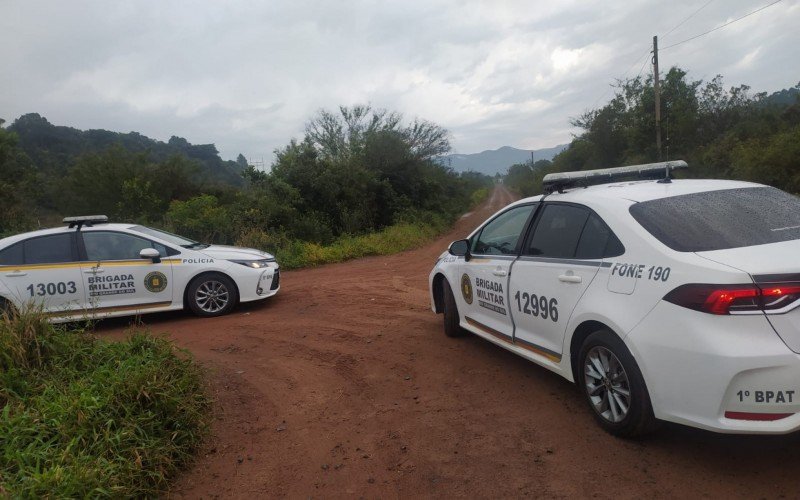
(466, 288)
(155, 282)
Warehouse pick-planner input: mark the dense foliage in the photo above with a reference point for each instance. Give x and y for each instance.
(722, 133)
(82, 417)
(355, 171)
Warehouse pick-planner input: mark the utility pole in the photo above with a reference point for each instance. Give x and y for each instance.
(657, 89)
(531, 159)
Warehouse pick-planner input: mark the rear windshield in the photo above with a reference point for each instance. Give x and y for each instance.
(716, 220)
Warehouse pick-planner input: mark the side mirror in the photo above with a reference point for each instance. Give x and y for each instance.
(150, 253)
(459, 248)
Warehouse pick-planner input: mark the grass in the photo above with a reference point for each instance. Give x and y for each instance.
(86, 417)
(478, 196)
(390, 240)
(414, 230)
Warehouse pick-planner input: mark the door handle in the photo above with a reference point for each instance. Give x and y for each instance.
(569, 278)
(95, 270)
(15, 274)
(500, 272)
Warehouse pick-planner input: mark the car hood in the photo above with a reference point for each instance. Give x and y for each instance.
(234, 253)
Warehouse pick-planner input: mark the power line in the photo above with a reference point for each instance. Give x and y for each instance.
(720, 27)
(648, 51)
(690, 16)
(635, 63)
(622, 77)
(642, 68)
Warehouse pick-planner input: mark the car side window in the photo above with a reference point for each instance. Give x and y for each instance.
(501, 235)
(572, 232)
(598, 241)
(12, 256)
(51, 249)
(558, 231)
(108, 245)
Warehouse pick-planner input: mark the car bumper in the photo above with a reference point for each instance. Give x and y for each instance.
(431, 296)
(258, 284)
(729, 374)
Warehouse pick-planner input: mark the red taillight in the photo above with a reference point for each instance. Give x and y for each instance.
(727, 299)
(721, 301)
(775, 296)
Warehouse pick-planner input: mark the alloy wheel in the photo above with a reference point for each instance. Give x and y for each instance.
(607, 384)
(212, 296)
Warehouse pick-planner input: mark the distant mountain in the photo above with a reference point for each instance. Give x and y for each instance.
(785, 97)
(495, 161)
(55, 148)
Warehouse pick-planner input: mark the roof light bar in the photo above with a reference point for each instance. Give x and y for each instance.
(85, 220)
(563, 180)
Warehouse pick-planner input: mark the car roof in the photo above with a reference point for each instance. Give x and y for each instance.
(639, 191)
(62, 229)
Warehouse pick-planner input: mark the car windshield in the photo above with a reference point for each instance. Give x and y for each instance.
(169, 237)
(718, 220)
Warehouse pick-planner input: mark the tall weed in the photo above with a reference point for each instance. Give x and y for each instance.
(86, 417)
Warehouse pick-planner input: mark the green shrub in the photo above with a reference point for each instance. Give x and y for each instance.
(87, 417)
(262, 240)
(392, 239)
(478, 196)
(201, 217)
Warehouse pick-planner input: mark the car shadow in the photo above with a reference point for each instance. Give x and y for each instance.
(155, 320)
(742, 455)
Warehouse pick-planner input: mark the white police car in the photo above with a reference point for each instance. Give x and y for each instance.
(92, 269)
(663, 300)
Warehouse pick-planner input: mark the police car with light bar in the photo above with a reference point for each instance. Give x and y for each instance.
(663, 300)
(93, 269)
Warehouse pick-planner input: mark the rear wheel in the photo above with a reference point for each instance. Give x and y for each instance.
(614, 386)
(452, 327)
(211, 294)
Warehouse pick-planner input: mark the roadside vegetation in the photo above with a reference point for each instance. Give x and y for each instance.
(412, 231)
(83, 417)
(727, 133)
(389, 240)
(355, 172)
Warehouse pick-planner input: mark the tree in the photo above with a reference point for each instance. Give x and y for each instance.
(242, 161)
(722, 132)
(17, 186)
(201, 217)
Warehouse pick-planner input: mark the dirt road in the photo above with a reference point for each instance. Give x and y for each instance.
(345, 385)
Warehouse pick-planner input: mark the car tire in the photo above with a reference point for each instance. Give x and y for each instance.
(7, 309)
(452, 327)
(211, 294)
(606, 373)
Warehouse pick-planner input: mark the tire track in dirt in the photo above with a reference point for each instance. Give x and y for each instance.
(344, 385)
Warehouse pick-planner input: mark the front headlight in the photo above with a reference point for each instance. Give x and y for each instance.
(255, 264)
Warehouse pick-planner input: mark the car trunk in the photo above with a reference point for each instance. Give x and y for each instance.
(775, 267)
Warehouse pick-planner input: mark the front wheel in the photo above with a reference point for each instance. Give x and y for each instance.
(6, 309)
(452, 327)
(614, 387)
(211, 294)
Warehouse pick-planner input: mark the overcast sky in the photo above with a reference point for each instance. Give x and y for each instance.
(246, 76)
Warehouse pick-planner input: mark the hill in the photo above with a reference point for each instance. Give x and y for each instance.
(783, 98)
(53, 149)
(496, 161)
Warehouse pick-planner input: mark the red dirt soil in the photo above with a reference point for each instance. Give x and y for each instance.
(345, 385)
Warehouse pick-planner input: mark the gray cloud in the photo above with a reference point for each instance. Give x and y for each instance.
(246, 76)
